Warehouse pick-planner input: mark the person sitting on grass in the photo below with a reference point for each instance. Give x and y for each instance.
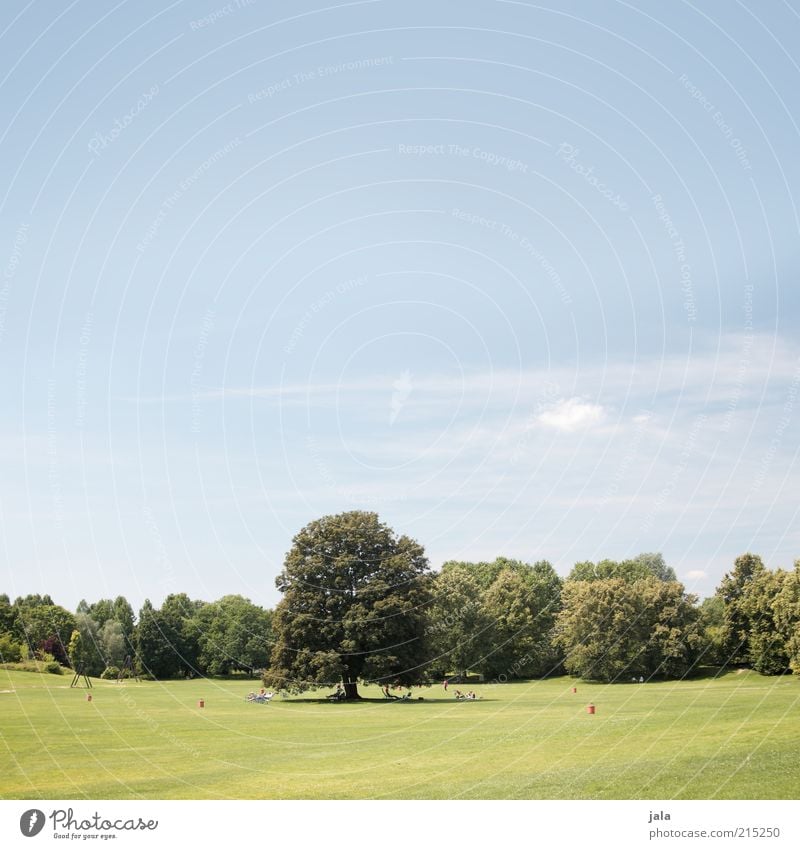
(338, 695)
(387, 694)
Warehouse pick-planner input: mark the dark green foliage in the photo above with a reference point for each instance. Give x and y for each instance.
(36, 620)
(642, 566)
(614, 629)
(10, 649)
(786, 613)
(166, 639)
(712, 627)
(353, 606)
(233, 634)
(732, 590)
(85, 649)
(767, 650)
(522, 604)
(459, 628)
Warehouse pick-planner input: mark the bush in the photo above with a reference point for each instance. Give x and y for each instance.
(51, 666)
(110, 673)
(10, 650)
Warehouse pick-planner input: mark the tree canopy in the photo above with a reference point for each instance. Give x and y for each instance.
(353, 606)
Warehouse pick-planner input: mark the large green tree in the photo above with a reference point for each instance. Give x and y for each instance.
(233, 634)
(613, 629)
(353, 606)
(786, 611)
(166, 639)
(459, 629)
(522, 604)
(738, 613)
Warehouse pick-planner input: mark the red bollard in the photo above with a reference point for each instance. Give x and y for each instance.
(201, 703)
(589, 708)
(88, 697)
(574, 689)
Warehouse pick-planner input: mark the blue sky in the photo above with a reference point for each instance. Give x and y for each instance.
(521, 278)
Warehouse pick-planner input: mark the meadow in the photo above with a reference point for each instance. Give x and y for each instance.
(732, 737)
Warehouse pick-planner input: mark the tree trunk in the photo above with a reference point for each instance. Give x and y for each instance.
(351, 690)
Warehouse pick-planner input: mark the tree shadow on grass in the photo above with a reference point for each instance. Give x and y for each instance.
(425, 700)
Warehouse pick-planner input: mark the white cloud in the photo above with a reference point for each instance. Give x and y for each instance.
(571, 414)
(696, 575)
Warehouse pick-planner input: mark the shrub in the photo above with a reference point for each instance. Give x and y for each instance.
(51, 666)
(110, 673)
(10, 650)
(47, 663)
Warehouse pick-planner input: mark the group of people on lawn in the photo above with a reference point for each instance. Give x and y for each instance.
(261, 696)
(339, 694)
(460, 697)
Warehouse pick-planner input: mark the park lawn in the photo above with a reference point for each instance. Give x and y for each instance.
(736, 736)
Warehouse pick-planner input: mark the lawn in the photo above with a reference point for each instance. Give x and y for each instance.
(736, 736)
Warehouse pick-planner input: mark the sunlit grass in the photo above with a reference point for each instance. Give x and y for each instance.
(732, 737)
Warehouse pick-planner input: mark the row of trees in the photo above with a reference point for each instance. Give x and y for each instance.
(181, 638)
(360, 603)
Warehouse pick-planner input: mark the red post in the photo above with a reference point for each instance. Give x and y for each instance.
(590, 708)
(201, 703)
(88, 697)
(574, 689)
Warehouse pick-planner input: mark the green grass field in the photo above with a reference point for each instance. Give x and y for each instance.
(737, 736)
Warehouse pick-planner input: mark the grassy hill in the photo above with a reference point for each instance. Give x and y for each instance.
(731, 737)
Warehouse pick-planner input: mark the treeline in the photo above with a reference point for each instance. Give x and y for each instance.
(612, 620)
(607, 621)
(182, 638)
